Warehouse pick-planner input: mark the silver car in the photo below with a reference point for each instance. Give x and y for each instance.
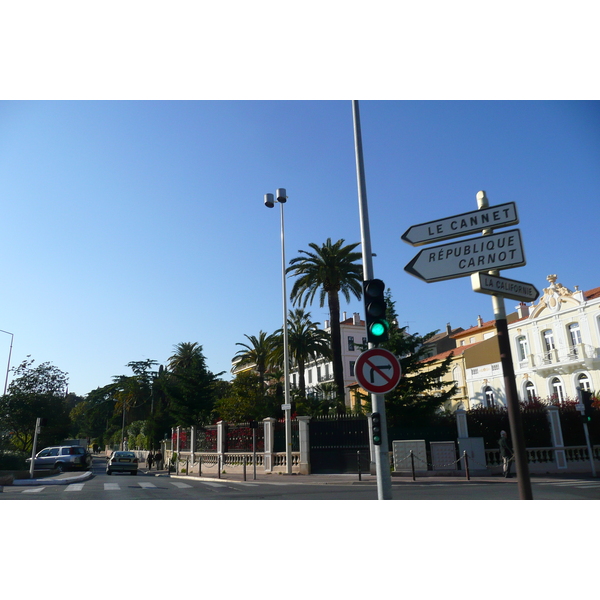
(121, 461)
(62, 458)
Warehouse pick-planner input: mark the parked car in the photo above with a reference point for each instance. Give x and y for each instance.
(63, 458)
(120, 461)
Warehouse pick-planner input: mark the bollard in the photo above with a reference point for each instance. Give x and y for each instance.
(244, 467)
(466, 459)
(358, 461)
(200, 467)
(187, 466)
(412, 465)
(219, 466)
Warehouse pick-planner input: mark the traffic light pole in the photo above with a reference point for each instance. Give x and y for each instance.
(382, 460)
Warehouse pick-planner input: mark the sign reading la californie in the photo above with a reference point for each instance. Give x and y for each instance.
(501, 215)
(458, 259)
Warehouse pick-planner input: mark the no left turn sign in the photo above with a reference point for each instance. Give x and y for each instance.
(377, 371)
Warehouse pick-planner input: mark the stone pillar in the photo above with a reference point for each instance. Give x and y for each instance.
(461, 423)
(192, 445)
(221, 442)
(558, 444)
(303, 433)
(269, 441)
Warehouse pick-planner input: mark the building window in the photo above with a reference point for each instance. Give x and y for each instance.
(352, 363)
(530, 391)
(583, 381)
(489, 397)
(309, 371)
(558, 391)
(364, 342)
(574, 337)
(522, 348)
(548, 345)
(351, 343)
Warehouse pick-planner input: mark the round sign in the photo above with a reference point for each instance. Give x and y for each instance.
(377, 371)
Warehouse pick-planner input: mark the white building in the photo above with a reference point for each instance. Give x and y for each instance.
(555, 347)
(319, 372)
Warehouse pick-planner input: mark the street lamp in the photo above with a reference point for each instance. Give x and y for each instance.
(9, 354)
(270, 203)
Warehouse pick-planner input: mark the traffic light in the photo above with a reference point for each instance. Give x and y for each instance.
(376, 426)
(375, 309)
(586, 399)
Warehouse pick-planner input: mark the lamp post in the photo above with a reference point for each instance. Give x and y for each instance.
(270, 203)
(12, 337)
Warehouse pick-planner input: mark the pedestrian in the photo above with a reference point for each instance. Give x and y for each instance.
(506, 453)
(158, 458)
(150, 460)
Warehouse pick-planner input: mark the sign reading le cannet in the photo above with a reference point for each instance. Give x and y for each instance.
(458, 259)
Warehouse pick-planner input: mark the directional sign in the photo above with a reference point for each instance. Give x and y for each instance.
(465, 224)
(501, 286)
(488, 252)
(377, 371)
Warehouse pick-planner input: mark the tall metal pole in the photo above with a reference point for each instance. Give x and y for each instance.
(286, 358)
(12, 337)
(510, 385)
(382, 459)
(281, 197)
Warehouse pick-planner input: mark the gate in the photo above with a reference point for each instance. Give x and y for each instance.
(335, 443)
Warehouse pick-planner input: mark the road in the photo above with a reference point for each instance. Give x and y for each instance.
(146, 486)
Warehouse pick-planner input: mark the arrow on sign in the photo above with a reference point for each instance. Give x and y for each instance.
(464, 224)
(458, 259)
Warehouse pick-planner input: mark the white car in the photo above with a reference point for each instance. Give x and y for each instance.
(122, 461)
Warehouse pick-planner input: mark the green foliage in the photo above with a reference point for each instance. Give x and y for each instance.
(417, 397)
(245, 401)
(35, 391)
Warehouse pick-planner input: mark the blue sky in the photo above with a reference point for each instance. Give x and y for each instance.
(132, 226)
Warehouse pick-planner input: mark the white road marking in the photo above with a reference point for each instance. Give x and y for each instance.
(74, 487)
(34, 490)
(146, 484)
(180, 485)
(111, 486)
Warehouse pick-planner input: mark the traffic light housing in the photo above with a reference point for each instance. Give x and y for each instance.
(375, 311)
(376, 428)
(588, 409)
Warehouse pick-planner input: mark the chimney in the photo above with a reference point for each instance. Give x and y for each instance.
(356, 319)
(326, 324)
(344, 316)
(522, 310)
(479, 321)
(448, 329)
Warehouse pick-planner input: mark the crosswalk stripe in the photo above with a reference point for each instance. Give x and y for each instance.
(74, 487)
(111, 486)
(180, 485)
(34, 490)
(146, 484)
(212, 484)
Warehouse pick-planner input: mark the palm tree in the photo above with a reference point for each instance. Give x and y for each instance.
(329, 269)
(258, 354)
(306, 341)
(187, 355)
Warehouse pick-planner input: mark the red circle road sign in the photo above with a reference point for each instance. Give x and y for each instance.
(377, 371)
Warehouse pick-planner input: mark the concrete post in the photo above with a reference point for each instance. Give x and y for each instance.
(303, 434)
(461, 423)
(268, 424)
(192, 445)
(558, 444)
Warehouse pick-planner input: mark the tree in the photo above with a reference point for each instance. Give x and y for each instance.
(245, 400)
(417, 396)
(258, 354)
(305, 341)
(330, 270)
(35, 391)
(190, 386)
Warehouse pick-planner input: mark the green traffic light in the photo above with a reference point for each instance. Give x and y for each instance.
(379, 328)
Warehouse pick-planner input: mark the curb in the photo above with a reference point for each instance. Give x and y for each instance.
(54, 481)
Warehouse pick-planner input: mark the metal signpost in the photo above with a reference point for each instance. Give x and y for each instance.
(488, 253)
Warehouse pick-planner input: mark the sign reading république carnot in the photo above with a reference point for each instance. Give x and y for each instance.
(458, 259)
(500, 215)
